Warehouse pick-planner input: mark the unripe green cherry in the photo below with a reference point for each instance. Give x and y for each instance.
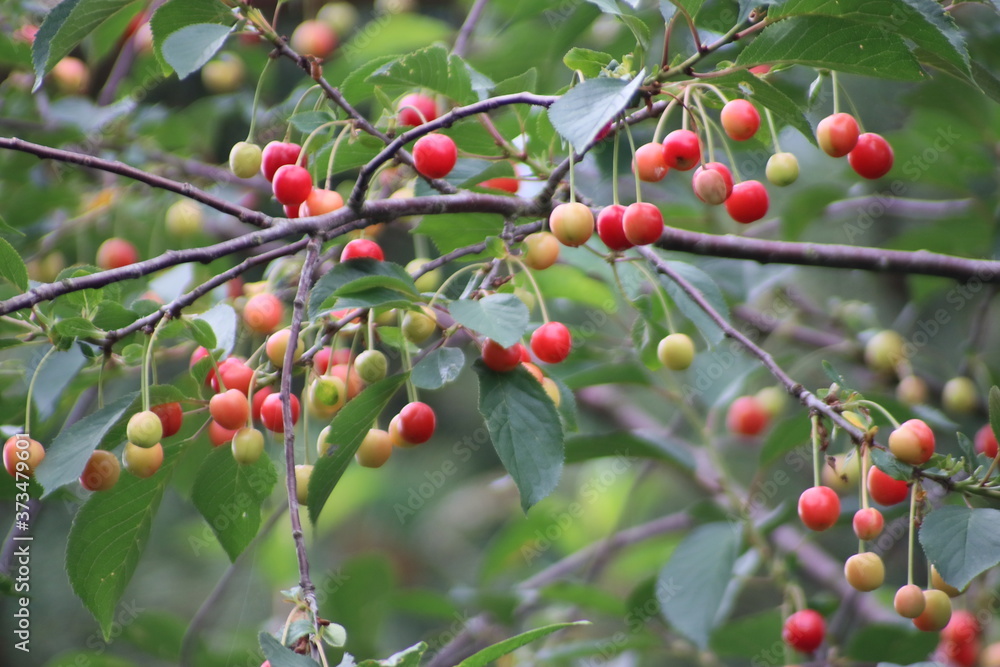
(144, 429)
(782, 169)
(572, 223)
(909, 601)
(419, 325)
(184, 218)
(341, 16)
(864, 572)
(372, 366)
(375, 449)
(959, 396)
(773, 400)
(325, 396)
(142, 462)
(244, 159)
(884, 351)
(427, 282)
(322, 445)
(936, 613)
(302, 474)
(676, 351)
(248, 445)
(912, 390)
(277, 346)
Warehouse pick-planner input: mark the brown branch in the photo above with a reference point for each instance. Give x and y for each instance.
(468, 27)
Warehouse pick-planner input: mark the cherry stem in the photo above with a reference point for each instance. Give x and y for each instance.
(873, 404)
(572, 176)
(305, 144)
(864, 464)
(710, 126)
(295, 109)
(370, 331)
(534, 286)
(333, 152)
(661, 123)
(31, 389)
(658, 290)
(631, 145)
(913, 516)
(147, 363)
(686, 117)
(423, 118)
(836, 92)
(450, 279)
(614, 171)
(774, 131)
(708, 133)
(411, 391)
(815, 446)
(256, 100)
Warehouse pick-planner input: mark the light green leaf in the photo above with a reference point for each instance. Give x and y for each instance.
(177, 14)
(76, 327)
(64, 27)
(562, 281)
(223, 320)
(280, 656)
(201, 332)
(308, 121)
(881, 641)
(362, 282)
(187, 49)
(961, 542)
(525, 82)
(502, 317)
(12, 266)
(452, 231)
(112, 315)
(229, 495)
(580, 114)
(438, 368)
(587, 61)
(890, 465)
(525, 429)
(493, 653)
(431, 68)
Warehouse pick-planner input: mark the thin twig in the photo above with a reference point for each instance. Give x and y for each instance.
(465, 33)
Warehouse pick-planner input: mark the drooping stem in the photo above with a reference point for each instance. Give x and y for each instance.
(631, 145)
(913, 531)
(817, 465)
(31, 389)
(256, 100)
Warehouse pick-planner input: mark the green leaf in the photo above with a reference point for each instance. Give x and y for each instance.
(994, 403)
(224, 322)
(502, 317)
(229, 495)
(589, 62)
(788, 435)
(524, 82)
(961, 542)
(492, 653)
(66, 457)
(834, 375)
(453, 231)
(890, 465)
(309, 121)
(362, 283)
(187, 49)
(347, 430)
(438, 368)
(749, 636)
(53, 377)
(356, 87)
(692, 584)
(833, 43)
(279, 656)
(64, 27)
(879, 641)
(177, 14)
(430, 68)
(409, 657)
(525, 429)
(580, 114)
(201, 332)
(757, 90)
(76, 327)
(112, 315)
(108, 536)
(12, 266)
(701, 281)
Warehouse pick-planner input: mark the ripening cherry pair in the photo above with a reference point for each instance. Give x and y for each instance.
(869, 154)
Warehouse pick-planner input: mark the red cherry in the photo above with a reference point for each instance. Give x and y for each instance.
(505, 183)
(648, 164)
(292, 184)
(868, 523)
(748, 202)
(747, 416)
(259, 395)
(361, 248)
(171, 416)
(292, 212)
(551, 342)
(277, 154)
(804, 630)
(218, 434)
(819, 507)
(959, 655)
(263, 313)
(320, 201)
(434, 155)
(271, 412)
(416, 422)
(963, 628)
(322, 359)
(740, 119)
(884, 489)
(837, 134)
(115, 253)
(499, 358)
(230, 409)
(409, 116)
(712, 188)
(986, 441)
(642, 223)
(681, 150)
(313, 38)
(525, 355)
(872, 157)
(610, 227)
(235, 375)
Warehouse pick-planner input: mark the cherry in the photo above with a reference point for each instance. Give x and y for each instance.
(868, 523)
(323, 358)
(184, 218)
(263, 313)
(837, 134)
(552, 389)
(959, 395)
(958, 655)
(748, 202)
(909, 601)
(681, 150)
(912, 390)
(22, 458)
(271, 412)
(303, 472)
(171, 417)
(782, 169)
(362, 248)
(551, 342)
(572, 223)
(196, 356)
(325, 396)
(773, 400)
(421, 106)
(541, 250)
(936, 613)
(416, 422)
(230, 409)
(963, 628)
(322, 444)
(938, 582)
(101, 472)
(142, 462)
(505, 183)
(648, 164)
(218, 434)
(428, 281)
(864, 572)
(258, 401)
(245, 159)
(71, 76)
(986, 441)
(144, 429)
(872, 157)
(710, 186)
(375, 449)
(676, 351)
(291, 212)
(912, 442)
(313, 38)
(434, 155)
(248, 445)
(499, 358)
(819, 508)
(277, 154)
(740, 119)
(353, 381)
(990, 656)
(747, 416)
(371, 366)
(396, 436)
(292, 184)
(115, 253)
(320, 202)
(235, 374)
(804, 630)
(277, 346)
(642, 223)
(611, 227)
(884, 351)
(224, 74)
(418, 325)
(884, 489)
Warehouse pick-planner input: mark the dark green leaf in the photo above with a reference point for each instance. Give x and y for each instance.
(364, 280)
(589, 62)
(492, 653)
(430, 68)
(525, 429)
(438, 368)
(12, 266)
(878, 642)
(279, 656)
(64, 27)
(834, 375)
(692, 584)
(229, 495)
(968, 450)
(53, 377)
(177, 14)
(307, 122)
(201, 332)
(453, 231)
(749, 636)
(347, 430)
(701, 281)
(187, 49)
(890, 465)
(579, 115)
(562, 281)
(76, 327)
(356, 87)
(961, 542)
(502, 317)
(112, 315)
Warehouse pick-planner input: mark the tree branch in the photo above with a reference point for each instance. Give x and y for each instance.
(465, 33)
